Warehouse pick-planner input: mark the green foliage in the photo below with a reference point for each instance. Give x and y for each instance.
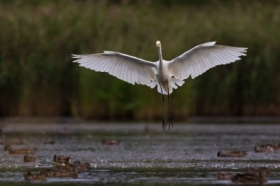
(38, 78)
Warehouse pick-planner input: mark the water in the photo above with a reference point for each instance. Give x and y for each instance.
(185, 155)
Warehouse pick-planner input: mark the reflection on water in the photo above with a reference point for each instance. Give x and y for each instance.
(187, 154)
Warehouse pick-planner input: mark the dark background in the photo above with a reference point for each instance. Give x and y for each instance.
(38, 78)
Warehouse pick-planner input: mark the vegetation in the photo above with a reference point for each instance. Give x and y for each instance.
(38, 78)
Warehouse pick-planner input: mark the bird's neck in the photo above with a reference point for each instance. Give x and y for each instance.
(160, 57)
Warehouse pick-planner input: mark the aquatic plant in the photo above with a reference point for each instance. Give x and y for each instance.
(38, 78)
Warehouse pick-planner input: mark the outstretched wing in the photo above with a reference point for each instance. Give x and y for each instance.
(203, 57)
(127, 68)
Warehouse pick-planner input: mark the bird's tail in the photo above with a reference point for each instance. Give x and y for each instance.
(174, 84)
(155, 83)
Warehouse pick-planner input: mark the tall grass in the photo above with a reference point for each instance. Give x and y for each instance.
(37, 77)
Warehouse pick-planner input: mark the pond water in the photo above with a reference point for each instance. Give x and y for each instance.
(184, 155)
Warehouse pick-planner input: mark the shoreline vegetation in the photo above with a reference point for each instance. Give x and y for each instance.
(38, 77)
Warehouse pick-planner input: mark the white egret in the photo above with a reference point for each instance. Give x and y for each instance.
(166, 75)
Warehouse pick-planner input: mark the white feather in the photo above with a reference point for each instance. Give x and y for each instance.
(127, 68)
(203, 57)
(135, 70)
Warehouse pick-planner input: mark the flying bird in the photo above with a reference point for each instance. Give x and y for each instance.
(165, 75)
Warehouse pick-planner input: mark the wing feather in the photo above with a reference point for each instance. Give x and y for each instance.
(127, 68)
(203, 57)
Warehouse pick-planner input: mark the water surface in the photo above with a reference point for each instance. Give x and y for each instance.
(184, 155)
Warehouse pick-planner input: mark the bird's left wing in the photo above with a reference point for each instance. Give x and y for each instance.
(203, 57)
(127, 68)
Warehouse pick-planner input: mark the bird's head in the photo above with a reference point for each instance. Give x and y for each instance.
(219, 154)
(158, 43)
(7, 148)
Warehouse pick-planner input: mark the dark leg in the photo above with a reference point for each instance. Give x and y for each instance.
(169, 120)
(163, 121)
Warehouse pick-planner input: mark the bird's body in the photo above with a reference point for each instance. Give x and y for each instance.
(265, 148)
(225, 175)
(34, 177)
(252, 177)
(166, 75)
(232, 154)
(19, 151)
(230, 175)
(135, 70)
(28, 158)
(163, 76)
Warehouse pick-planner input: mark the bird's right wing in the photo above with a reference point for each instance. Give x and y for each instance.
(203, 57)
(127, 68)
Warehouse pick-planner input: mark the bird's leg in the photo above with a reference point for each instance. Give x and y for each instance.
(163, 121)
(169, 120)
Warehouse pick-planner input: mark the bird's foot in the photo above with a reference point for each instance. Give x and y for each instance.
(169, 121)
(163, 124)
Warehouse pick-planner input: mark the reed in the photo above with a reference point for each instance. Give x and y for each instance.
(37, 77)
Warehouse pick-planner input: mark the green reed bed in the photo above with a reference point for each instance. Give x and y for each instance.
(37, 77)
